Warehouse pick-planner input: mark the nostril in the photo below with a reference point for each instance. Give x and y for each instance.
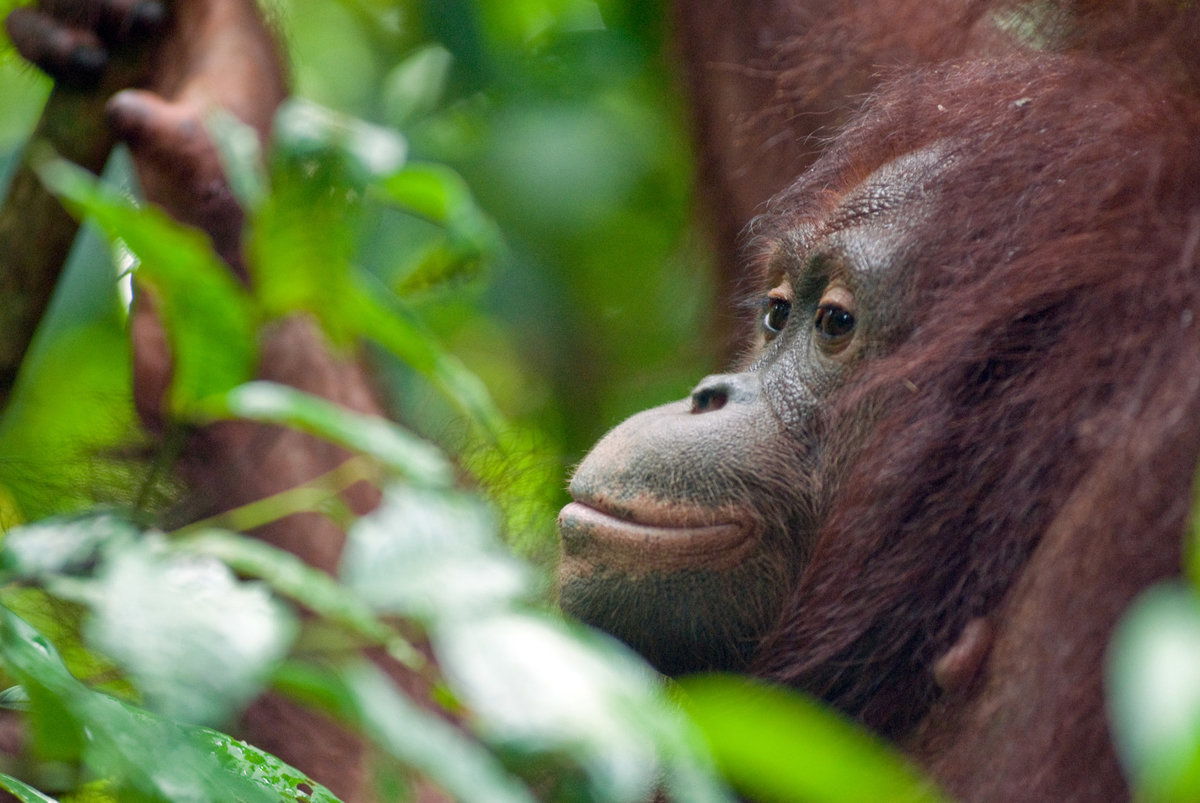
(716, 391)
(709, 399)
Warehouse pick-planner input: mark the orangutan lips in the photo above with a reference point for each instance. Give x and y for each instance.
(597, 539)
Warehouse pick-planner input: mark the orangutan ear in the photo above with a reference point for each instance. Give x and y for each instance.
(958, 666)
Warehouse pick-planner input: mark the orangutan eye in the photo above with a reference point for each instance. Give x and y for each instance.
(776, 315)
(833, 323)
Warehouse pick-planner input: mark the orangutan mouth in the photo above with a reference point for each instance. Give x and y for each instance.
(599, 539)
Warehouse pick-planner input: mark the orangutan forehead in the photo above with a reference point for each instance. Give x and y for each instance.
(893, 198)
(902, 187)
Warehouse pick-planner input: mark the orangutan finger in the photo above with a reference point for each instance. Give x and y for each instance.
(153, 366)
(68, 54)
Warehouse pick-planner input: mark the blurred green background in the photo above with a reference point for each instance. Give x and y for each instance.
(565, 121)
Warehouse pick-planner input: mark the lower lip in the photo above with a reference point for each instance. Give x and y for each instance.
(593, 537)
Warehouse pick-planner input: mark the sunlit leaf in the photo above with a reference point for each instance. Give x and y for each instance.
(62, 545)
(210, 321)
(415, 85)
(303, 128)
(775, 745)
(427, 743)
(291, 577)
(431, 554)
(1154, 692)
(534, 687)
(198, 644)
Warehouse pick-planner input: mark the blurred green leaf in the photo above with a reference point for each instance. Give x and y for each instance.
(773, 744)
(305, 131)
(208, 316)
(394, 328)
(339, 63)
(439, 195)
(539, 687)
(56, 729)
(149, 758)
(303, 240)
(198, 644)
(1154, 692)
(415, 85)
(303, 235)
(60, 546)
(532, 684)
(60, 618)
(65, 433)
(22, 791)
(14, 698)
(431, 555)
(432, 191)
(241, 157)
(296, 580)
(394, 447)
(425, 742)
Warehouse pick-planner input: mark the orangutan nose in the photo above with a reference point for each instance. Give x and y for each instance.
(715, 391)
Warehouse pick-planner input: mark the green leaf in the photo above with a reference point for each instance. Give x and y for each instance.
(58, 614)
(148, 758)
(23, 791)
(431, 555)
(1154, 692)
(14, 698)
(440, 195)
(312, 588)
(260, 768)
(773, 744)
(304, 235)
(62, 545)
(427, 743)
(241, 157)
(432, 191)
(396, 448)
(537, 688)
(385, 320)
(55, 726)
(304, 130)
(208, 315)
(198, 643)
(415, 85)
(533, 685)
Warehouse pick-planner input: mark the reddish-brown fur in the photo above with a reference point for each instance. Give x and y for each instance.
(1042, 422)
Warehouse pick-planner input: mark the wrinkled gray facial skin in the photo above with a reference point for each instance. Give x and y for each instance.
(693, 521)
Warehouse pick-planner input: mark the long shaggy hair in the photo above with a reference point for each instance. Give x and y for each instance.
(1051, 305)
